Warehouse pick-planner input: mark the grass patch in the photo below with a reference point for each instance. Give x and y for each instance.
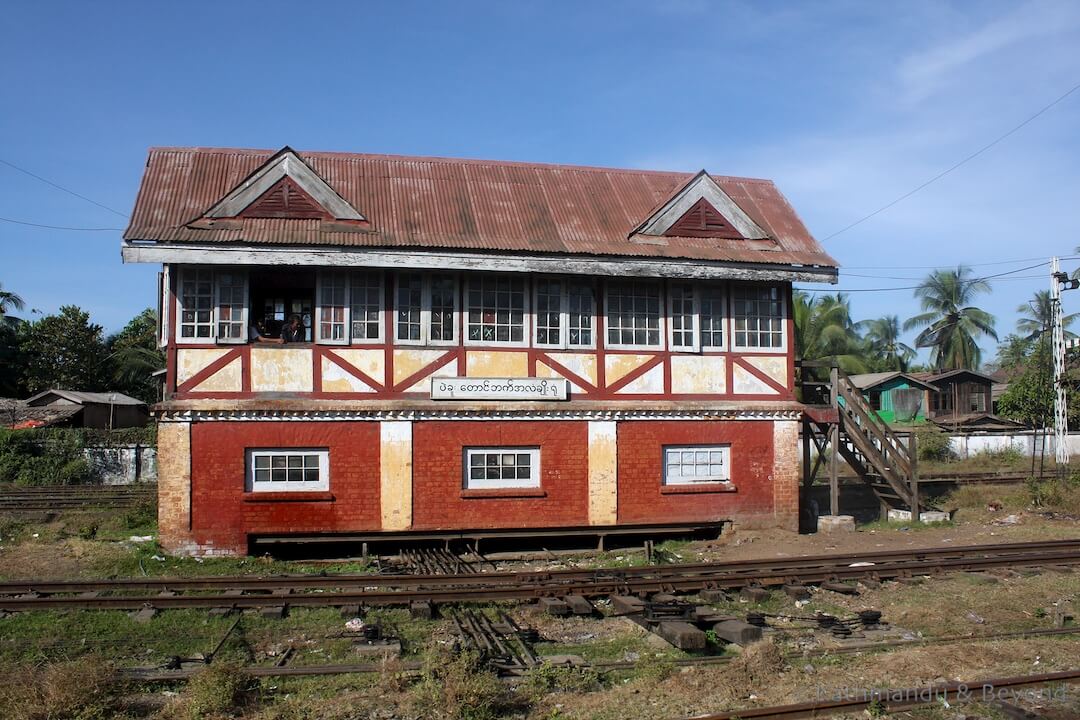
(84, 689)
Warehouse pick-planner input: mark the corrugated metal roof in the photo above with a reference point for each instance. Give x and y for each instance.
(76, 396)
(462, 204)
(865, 381)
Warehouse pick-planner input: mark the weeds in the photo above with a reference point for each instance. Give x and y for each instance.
(547, 678)
(221, 688)
(84, 689)
(459, 687)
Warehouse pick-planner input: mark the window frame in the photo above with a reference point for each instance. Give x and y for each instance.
(526, 312)
(253, 486)
(722, 292)
(425, 310)
(533, 451)
(181, 276)
(783, 317)
(724, 448)
(321, 282)
(564, 313)
(695, 315)
(662, 329)
(380, 277)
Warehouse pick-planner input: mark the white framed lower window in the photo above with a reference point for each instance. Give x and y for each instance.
(288, 470)
(495, 468)
(690, 464)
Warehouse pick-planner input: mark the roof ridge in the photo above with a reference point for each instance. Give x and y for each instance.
(446, 160)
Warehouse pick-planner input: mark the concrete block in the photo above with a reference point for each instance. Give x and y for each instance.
(145, 614)
(682, 635)
(421, 610)
(836, 523)
(713, 596)
(754, 594)
(579, 605)
(350, 611)
(797, 592)
(554, 606)
(840, 587)
(665, 598)
(926, 516)
(737, 631)
(627, 604)
(273, 612)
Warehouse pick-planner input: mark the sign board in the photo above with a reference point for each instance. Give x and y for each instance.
(476, 388)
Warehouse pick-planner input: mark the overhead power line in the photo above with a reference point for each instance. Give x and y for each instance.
(916, 287)
(966, 160)
(61, 188)
(59, 227)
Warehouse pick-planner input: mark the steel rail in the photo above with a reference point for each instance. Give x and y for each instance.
(750, 568)
(540, 587)
(896, 699)
(154, 675)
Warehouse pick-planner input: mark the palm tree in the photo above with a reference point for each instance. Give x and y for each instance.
(882, 337)
(9, 301)
(951, 323)
(824, 331)
(1037, 316)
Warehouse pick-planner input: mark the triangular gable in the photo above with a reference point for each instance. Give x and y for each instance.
(703, 220)
(701, 187)
(264, 188)
(285, 199)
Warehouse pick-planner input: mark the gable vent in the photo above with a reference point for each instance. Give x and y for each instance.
(703, 220)
(285, 199)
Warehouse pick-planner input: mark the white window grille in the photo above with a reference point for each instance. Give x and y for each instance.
(196, 305)
(494, 468)
(758, 312)
(683, 316)
(712, 317)
(333, 308)
(426, 309)
(495, 308)
(563, 312)
(365, 306)
(288, 470)
(633, 314)
(686, 465)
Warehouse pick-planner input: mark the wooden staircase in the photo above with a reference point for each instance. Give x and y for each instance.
(841, 418)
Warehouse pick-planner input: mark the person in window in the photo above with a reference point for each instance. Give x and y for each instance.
(294, 331)
(257, 334)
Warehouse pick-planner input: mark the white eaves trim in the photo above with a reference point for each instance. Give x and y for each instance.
(286, 163)
(142, 252)
(702, 186)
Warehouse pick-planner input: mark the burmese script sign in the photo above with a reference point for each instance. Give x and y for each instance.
(458, 388)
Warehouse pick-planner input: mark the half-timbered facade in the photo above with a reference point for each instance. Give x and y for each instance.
(471, 345)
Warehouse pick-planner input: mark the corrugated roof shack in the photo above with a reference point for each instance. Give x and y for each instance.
(379, 344)
(68, 408)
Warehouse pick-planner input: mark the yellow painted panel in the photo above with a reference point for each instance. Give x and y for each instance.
(775, 366)
(544, 371)
(395, 474)
(603, 482)
(584, 364)
(281, 369)
(616, 366)
(651, 382)
(747, 384)
(486, 363)
(336, 379)
(407, 362)
(370, 362)
(701, 374)
(227, 379)
(450, 369)
(189, 361)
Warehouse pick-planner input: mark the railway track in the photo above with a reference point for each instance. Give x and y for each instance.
(343, 590)
(73, 497)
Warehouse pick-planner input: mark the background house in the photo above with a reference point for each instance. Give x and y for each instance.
(70, 408)
(878, 389)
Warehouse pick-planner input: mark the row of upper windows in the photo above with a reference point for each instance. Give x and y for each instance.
(552, 312)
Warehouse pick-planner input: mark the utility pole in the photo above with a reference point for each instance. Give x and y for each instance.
(1061, 416)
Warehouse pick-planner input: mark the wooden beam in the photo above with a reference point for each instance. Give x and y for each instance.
(136, 252)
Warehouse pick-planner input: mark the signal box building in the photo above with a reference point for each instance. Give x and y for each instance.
(474, 346)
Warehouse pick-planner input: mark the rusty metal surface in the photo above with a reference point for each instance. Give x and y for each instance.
(461, 204)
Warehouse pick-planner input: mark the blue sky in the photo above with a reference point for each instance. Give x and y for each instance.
(846, 105)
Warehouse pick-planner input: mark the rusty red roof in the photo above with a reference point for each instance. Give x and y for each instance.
(423, 202)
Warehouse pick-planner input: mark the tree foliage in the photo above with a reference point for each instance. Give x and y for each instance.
(134, 355)
(824, 330)
(951, 323)
(884, 349)
(64, 351)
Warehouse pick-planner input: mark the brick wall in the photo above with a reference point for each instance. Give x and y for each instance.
(439, 501)
(642, 498)
(223, 514)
